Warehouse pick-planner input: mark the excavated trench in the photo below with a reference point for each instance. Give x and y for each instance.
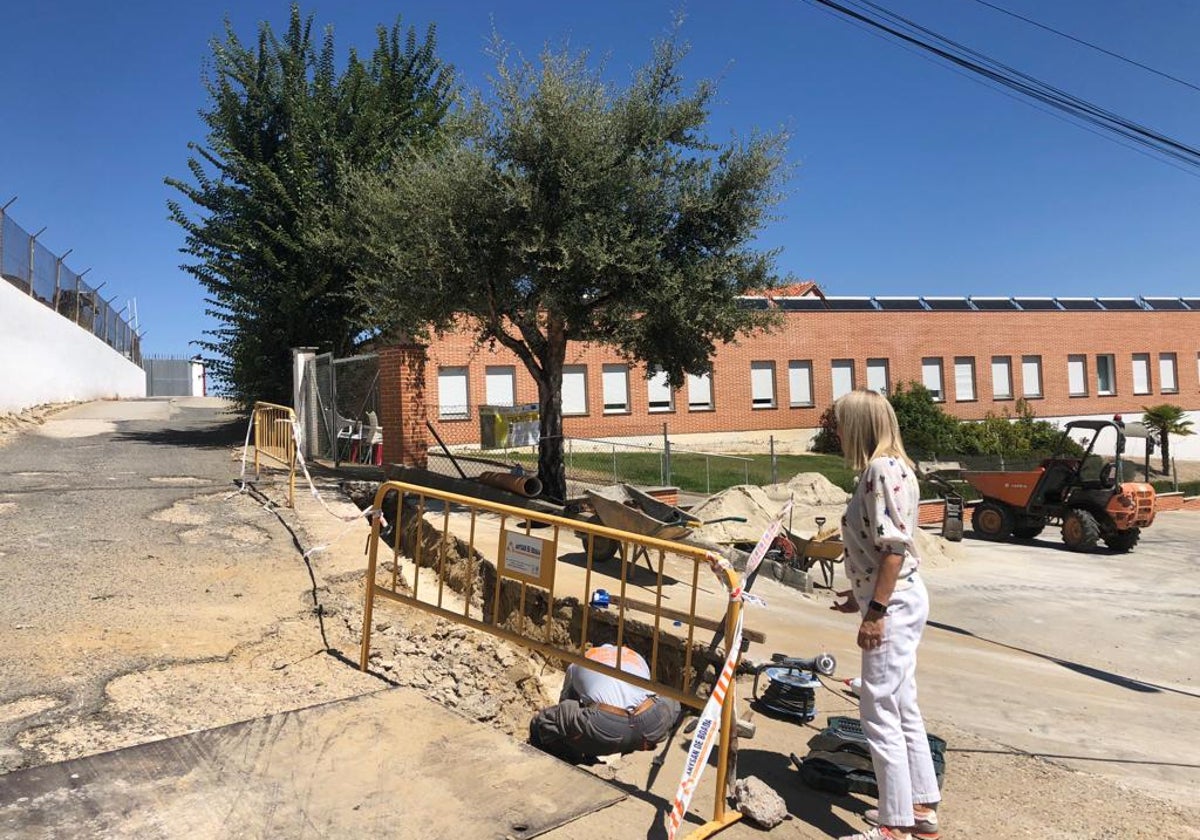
(473, 577)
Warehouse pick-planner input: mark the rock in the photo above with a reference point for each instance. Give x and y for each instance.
(759, 803)
(388, 665)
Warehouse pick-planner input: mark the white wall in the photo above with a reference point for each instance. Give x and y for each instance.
(44, 358)
(1182, 448)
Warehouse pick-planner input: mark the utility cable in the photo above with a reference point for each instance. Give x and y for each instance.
(1089, 45)
(1028, 87)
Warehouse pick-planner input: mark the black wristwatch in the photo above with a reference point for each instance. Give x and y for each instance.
(877, 607)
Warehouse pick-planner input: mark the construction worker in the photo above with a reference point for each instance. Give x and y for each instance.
(599, 714)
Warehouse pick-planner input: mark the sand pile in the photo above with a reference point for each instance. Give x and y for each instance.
(744, 500)
(809, 489)
(816, 497)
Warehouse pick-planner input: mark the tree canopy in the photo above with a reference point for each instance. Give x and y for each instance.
(283, 124)
(560, 208)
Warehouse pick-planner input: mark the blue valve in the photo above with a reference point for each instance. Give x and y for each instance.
(601, 599)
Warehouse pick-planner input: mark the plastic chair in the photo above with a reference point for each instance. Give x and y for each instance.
(371, 448)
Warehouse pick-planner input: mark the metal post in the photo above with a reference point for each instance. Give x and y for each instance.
(774, 463)
(614, 451)
(2, 209)
(58, 276)
(32, 246)
(666, 456)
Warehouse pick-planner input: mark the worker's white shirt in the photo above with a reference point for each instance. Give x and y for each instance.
(601, 688)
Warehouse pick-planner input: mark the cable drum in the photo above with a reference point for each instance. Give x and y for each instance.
(788, 692)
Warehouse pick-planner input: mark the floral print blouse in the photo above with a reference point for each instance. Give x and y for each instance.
(881, 519)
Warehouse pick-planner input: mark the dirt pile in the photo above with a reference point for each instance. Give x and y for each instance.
(809, 490)
(814, 495)
(478, 675)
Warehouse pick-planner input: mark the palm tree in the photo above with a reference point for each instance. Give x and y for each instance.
(1166, 420)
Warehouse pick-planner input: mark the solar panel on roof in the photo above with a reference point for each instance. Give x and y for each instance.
(854, 304)
(752, 303)
(1077, 304)
(948, 304)
(899, 304)
(1165, 304)
(993, 304)
(1035, 304)
(802, 304)
(1120, 303)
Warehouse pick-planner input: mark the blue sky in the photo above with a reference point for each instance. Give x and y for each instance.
(910, 179)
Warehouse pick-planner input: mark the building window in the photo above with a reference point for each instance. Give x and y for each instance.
(843, 377)
(964, 378)
(1167, 383)
(616, 389)
(1077, 376)
(1141, 373)
(762, 384)
(931, 378)
(500, 384)
(1031, 376)
(574, 390)
(659, 396)
(800, 392)
(877, 376)
(700, 397)
(452, 393)
(1002, 378)
(1106, 383)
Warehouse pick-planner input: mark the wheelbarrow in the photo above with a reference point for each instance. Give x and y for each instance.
(626, 508)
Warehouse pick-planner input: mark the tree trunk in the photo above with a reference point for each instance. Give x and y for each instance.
(1164, 442)
(551, 469)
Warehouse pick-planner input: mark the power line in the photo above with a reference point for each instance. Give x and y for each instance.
(982, 82)
(1089, 45)
(1028, 87)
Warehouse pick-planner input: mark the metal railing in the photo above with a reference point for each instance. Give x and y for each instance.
(34, 269)
(486, 567)
(275, 440)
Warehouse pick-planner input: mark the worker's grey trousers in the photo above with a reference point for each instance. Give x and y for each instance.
(576, 732)
(891, 719)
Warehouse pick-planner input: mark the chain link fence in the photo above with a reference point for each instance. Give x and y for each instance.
(31, 267)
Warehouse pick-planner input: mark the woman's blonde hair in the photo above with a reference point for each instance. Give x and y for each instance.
(868, 429)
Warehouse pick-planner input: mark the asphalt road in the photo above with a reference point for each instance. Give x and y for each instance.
(121, 551)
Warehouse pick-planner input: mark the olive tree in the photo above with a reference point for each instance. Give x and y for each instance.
(560, 208)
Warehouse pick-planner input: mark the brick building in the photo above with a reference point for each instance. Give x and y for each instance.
(1068, 357)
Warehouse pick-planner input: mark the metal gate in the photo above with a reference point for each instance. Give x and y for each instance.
(345, 424)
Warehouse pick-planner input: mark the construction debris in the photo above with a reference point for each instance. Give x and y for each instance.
(759, 803)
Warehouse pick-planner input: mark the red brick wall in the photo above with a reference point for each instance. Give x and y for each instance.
(903, 338)
(402, 404)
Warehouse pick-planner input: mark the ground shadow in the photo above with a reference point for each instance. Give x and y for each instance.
(1109, 677)
(224, 435)
(637, 575)
(1099, 550)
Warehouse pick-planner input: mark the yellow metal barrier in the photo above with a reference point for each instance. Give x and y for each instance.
(532, 596)
(275, 439)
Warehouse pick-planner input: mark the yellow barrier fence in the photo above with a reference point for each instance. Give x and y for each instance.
(511, 572)
(275, 441)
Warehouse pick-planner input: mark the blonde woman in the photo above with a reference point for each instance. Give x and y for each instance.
(881, 561)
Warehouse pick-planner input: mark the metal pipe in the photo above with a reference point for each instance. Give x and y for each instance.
(524, 485)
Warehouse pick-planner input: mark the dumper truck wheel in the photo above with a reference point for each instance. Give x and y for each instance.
(1123, 540)
(992, 520)
(1080, 530)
